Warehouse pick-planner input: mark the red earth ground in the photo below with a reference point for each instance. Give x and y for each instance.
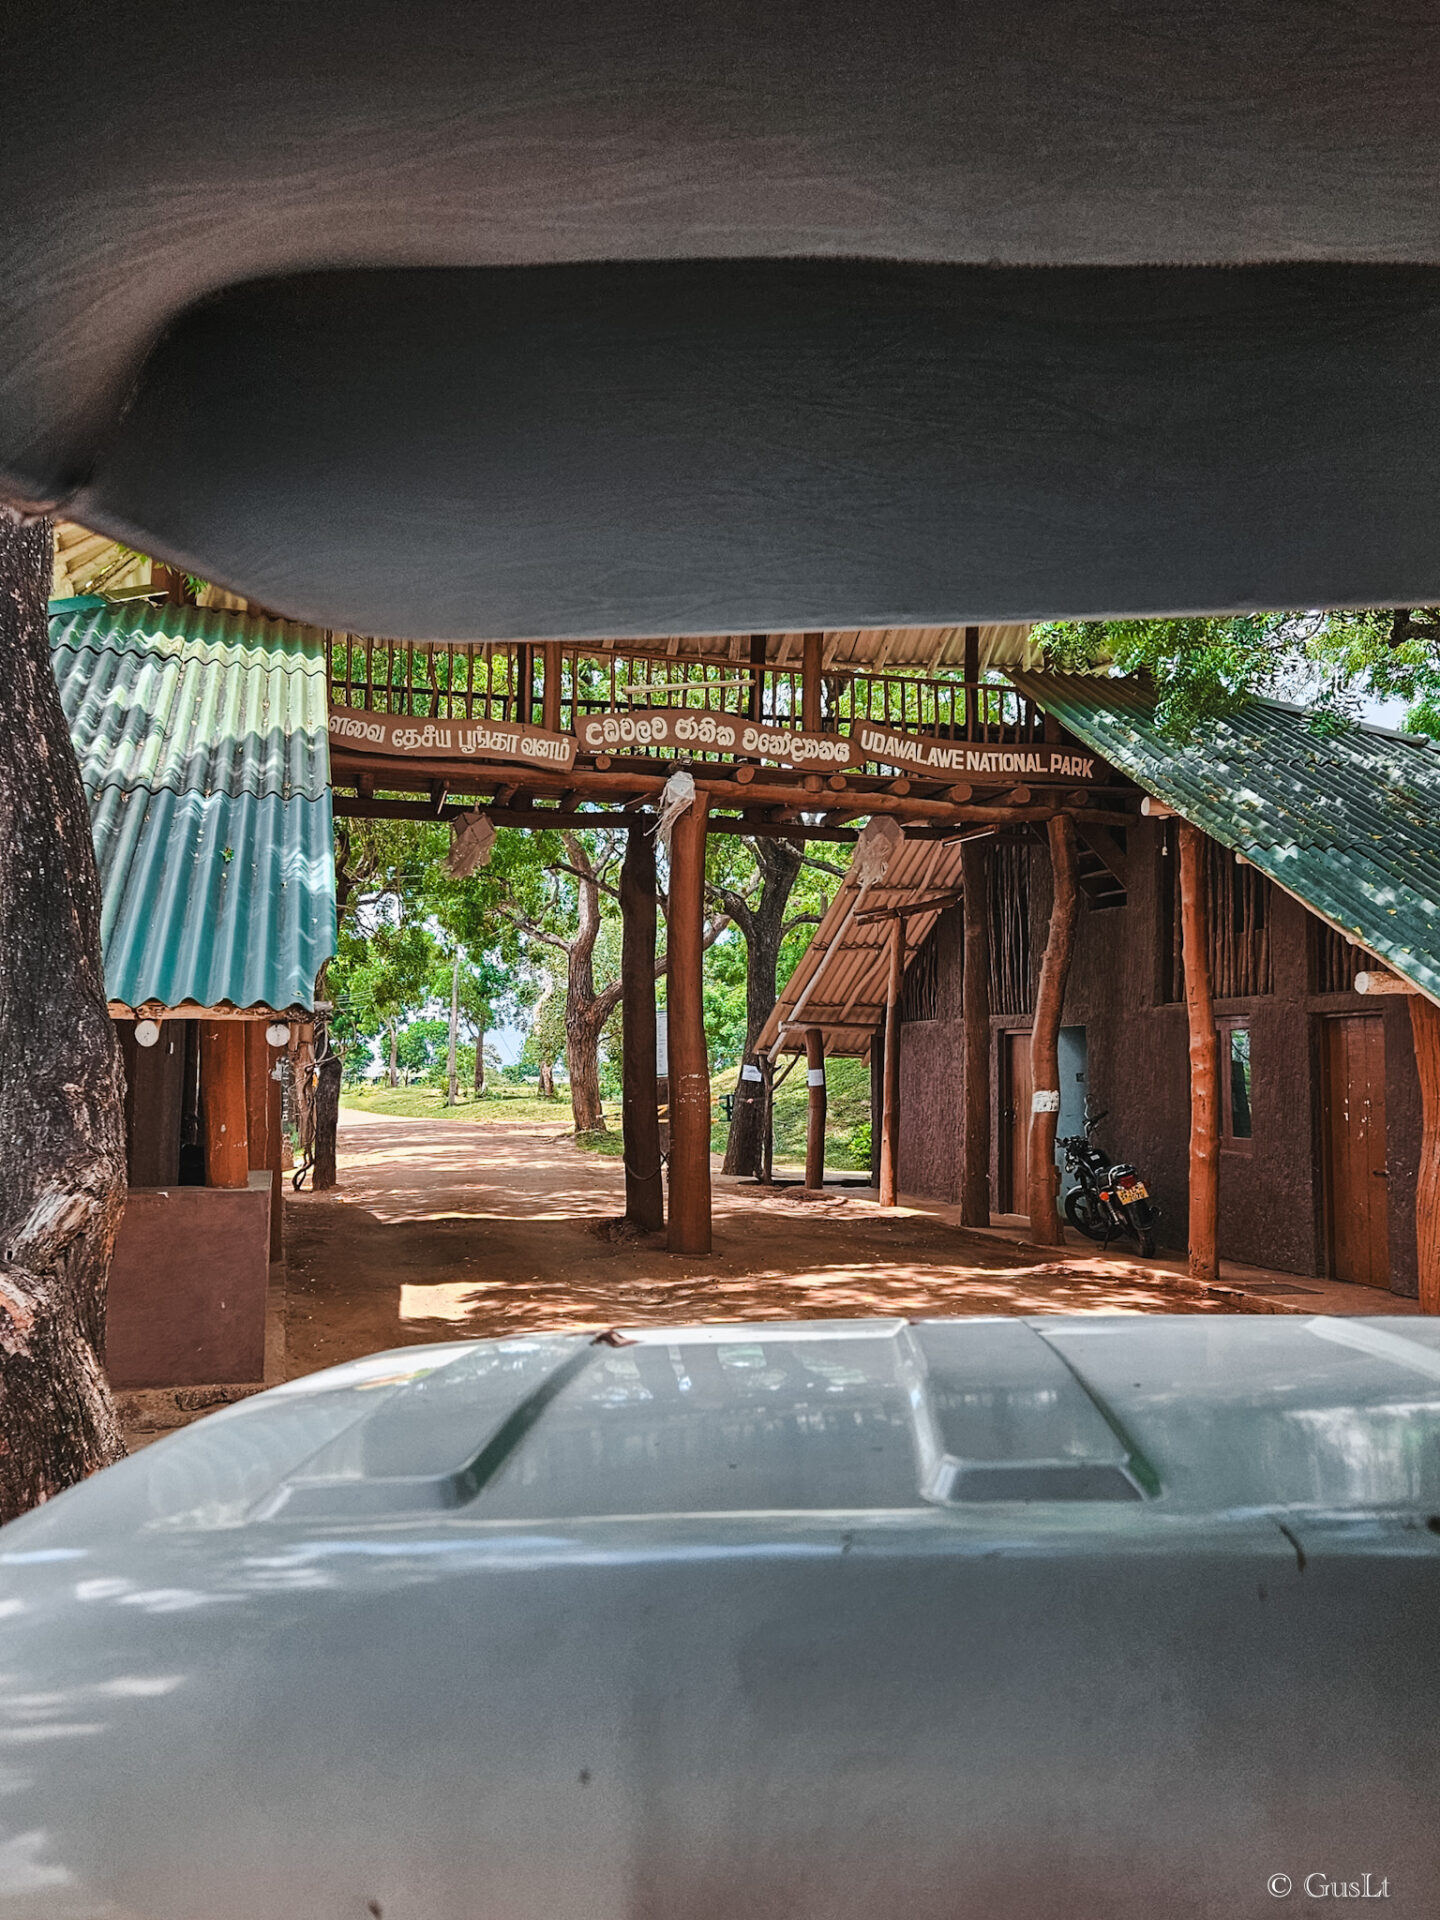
(451, 1229)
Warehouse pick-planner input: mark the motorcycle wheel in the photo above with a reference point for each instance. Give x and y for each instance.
(1143, 1231)
(1080, 1212)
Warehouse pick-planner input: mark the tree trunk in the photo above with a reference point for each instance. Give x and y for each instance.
(547, 1083)
(640, 1116)
(327, 1120)
(763, 927)
(452, 1077)
(394, 1056)
(1045, 1227)
(1204, 1229)
(975, 1012)
(582, 1028)
(62, 1131)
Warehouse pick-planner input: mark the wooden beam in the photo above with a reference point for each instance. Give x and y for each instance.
(1204, 1058)
(932, 903)
(812, 667)
(1375, 982)
(222, 1101)
(1425, 1027)
(639, 1110)
(815, 1116)
(1104, 843)
(1043, 1181)
(890, 1113)
(972, 678)
(554, 654)
(975, 1012)
(689, 1225)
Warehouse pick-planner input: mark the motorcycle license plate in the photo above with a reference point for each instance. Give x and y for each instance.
(1125, 1195)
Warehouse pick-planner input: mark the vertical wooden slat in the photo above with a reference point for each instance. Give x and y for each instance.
(815, 1114)
(640, 1118)
(1045, 1228)
(1204, 1058)
(812, 664)
(975, 1012)
(689, 1227)
(890, 1115)
(222, 1100)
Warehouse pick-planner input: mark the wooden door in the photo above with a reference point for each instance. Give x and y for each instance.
(1354, 1120)
(1015, 1128)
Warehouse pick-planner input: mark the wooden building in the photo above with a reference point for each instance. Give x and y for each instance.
(1315, 865)
(201, 737)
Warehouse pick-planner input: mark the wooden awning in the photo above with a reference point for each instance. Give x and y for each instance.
(839, 983)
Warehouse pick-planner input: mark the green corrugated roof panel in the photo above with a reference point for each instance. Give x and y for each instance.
(1348, 821)
(203, 746)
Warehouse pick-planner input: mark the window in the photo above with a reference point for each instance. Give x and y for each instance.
(1235, 1118)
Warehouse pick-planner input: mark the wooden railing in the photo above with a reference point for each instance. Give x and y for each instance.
(433, 680)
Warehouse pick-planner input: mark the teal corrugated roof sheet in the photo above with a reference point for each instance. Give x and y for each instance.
(1347, 821)
(203, 747)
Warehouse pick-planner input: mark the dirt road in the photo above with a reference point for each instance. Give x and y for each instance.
(446, 1229)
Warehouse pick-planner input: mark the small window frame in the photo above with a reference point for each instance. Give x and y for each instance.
(1230, 1141)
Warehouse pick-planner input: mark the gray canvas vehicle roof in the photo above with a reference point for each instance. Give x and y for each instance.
(1069, 1615)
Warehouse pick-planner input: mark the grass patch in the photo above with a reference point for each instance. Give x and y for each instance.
(847, 1107)
(611, 1143)
(428, 1103)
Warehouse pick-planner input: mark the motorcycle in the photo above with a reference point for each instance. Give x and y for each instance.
(1110, 1199)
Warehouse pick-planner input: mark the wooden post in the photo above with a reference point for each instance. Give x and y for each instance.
(1425, 1026)
(639, 1105)
(757, 674)
(222, 1100)
(257, 1104)
(815, 1116)
(689, 1230)
(1045, 1227)
(972, 681)
(550, 693)
(975, 1011)
(275, 1139)
(814, 661)
(1204, 1059)
(890, 1111)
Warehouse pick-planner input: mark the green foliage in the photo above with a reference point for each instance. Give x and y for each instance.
(1205, 667)
(861, 1145)
(724, 997)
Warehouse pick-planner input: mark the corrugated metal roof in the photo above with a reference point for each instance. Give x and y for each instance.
(840, 980)
(1347, 821)
(203, 747)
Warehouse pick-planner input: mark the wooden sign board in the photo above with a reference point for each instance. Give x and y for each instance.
(408, 736)
(974, 760)
(694, 731)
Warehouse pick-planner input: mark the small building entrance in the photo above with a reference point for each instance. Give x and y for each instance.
(1355, 1148)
